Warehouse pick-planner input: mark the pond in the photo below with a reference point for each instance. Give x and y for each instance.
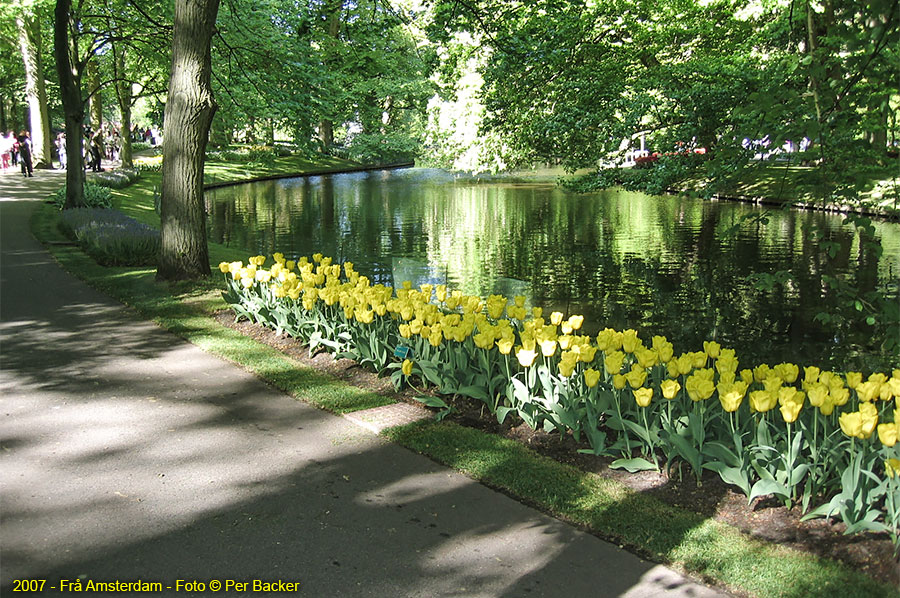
(668, 265)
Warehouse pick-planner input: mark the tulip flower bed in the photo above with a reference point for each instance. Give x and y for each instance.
(827, 442)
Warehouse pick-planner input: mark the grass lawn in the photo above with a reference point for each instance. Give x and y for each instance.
(703, 547)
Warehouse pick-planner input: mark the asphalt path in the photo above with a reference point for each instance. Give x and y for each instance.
(128, 455)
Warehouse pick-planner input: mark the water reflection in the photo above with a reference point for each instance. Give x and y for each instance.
(660, 264)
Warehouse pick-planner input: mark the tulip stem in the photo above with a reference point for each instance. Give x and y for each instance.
(622, 423)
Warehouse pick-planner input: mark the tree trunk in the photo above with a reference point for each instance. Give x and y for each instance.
(326, 135)
(65, 49)
(35, 91)
(95, 101)
(189, 111)
(333, 19)
(123, 95)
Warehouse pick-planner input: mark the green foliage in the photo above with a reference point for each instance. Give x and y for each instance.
(95, 196)
(383, 149)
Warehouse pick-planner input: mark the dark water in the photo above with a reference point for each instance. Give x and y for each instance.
(664, 265)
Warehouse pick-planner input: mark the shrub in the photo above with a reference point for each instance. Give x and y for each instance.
(116, 179)
(383, 149)
(110, 237)
(95, 196)
(262, 156)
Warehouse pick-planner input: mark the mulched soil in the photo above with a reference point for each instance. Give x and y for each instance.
(764, 518)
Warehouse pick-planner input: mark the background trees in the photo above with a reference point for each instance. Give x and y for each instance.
(481, 84)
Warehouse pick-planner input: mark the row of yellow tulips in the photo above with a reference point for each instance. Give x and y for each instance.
(612, 380)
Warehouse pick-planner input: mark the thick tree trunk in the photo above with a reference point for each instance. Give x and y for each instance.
(35, 91)
(326, 135)
(64, 49)
(189, 111)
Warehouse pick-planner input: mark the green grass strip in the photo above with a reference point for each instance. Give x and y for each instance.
(185, 309)
(705, 548)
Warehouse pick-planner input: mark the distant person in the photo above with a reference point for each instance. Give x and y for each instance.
(96, 152)
(61, 150)
(13, 148)
(6, 144)
(24, 147)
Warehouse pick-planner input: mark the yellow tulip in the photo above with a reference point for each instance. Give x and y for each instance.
(869, 414)
(576, 322)
(505, 346)
(712, 348)
(868, 391)
(630, 341)
(224, 267)
(761, 372)
(567, 367)
(787, 372)
(894, 385)
(726, 378)
(854, 379)
(887, 434)
(591, 377)
(484, 340)
(733, 396)
(790, 410)
(536, 312)
(672, 368)
(851, 424)
(670, 389)
(548, 348)
(618, 381)
(839, 396)
(762, 401)
(789, 394)
(643, 396)
(406, 368)
(647, 358)
(818, 394)
(525, 356)
(685, 363)
(892, 467)
(556, 318)
(665, 352)
(827, 408)
(636, 376)
(613, 362)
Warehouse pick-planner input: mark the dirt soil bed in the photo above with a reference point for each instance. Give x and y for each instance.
(766, 519)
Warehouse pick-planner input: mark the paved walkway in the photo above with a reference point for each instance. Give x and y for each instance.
(127, 454)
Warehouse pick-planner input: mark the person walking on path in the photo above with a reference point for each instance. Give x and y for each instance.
(96, 151)
(61, 149)
(24, 146)
(14, 148)
(6, 145)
